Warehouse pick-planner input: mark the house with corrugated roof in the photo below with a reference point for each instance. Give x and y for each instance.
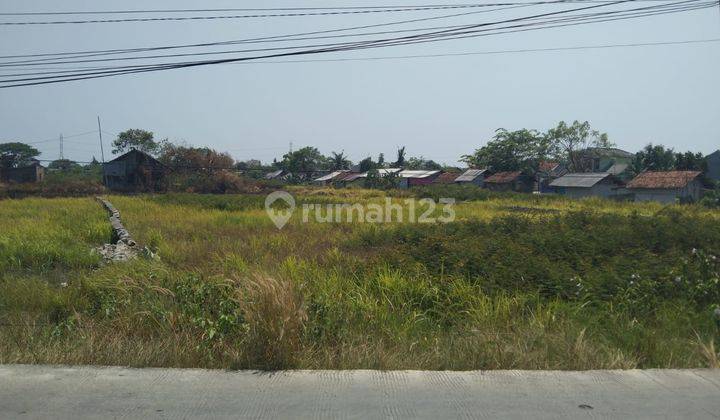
(588, 184)
(446, 178)
(415, 178)
(667, 186)
(510, 181)
(600, 159)
(34, 172)
(331, 177)
(473, 176)
(133, 172)
(546, 173)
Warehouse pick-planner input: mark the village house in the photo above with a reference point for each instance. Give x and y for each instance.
(667, 186)
(713, 166)
(600, 159)
(331, 177)
(546, 173)
(473, 176)
(588, 184)
(413, 178)
(34, 172)
(446, 178)
(134, 171)
(510, 181)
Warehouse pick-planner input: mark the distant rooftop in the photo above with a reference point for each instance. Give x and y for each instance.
(580, 180)
(663, 180)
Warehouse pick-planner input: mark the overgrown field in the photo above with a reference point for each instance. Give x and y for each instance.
(515, 282)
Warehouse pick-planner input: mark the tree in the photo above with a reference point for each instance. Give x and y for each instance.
(339, 161)
(136, 139)
(400, 162)
(301, 163)
(367, 164)
(184, 158)
(16, 154)
(422, 163)
(690, 161)
(63, 165)
(653, 158)
(519, 150)
(381, 160)
(569, 142)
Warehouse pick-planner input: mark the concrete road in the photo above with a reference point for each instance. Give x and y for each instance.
(99, 392)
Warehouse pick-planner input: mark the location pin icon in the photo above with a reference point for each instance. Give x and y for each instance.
(279, 217)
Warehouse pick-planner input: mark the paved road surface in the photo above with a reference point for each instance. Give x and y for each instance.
(91, 392)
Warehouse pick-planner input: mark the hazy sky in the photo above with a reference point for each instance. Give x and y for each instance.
(439, 107)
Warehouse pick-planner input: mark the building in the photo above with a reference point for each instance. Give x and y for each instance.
(588, 184)
(473, 176)
(331, 177)
(713, 166)
(279, 174)
(667, 186)
(34, 172)
(446, 178)
(510, 181)
(600, 159)
(134, 171)
(546, 173)
(414, 178)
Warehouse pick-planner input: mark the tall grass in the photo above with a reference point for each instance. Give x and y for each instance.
(515, 282)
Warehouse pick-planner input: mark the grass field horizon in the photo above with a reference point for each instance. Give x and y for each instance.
(515, 282)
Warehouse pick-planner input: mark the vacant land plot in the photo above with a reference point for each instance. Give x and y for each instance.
(514, 282)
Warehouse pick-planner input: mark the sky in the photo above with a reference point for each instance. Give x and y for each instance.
(438, 107)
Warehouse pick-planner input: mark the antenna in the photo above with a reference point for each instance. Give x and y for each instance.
(61, 147)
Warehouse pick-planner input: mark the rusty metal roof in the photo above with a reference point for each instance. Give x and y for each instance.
(664, 179)
(446, 178)
(470, 175)
(503, 177)
(331, 176)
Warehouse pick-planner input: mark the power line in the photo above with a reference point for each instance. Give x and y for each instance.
(467, 31)
(255, 16)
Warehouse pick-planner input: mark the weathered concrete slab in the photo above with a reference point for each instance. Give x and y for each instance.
(92, 392)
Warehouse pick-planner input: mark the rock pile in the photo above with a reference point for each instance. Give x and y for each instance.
(124, 247)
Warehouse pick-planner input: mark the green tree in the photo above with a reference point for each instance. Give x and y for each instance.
(400, 162)
(519, 150)
(690, 161)
(339, 161)
(381, 160)
(422, 163)
(568, 142)
(654, 158)
(136, 139)
(301, 163)
(16, 154)
(63, 165)
(367, 164)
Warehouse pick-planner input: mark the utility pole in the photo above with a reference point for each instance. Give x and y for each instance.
(290, 147)
(61, 147)
(102, 152)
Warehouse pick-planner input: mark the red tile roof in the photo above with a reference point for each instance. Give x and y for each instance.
(669, 179)
(503, 177)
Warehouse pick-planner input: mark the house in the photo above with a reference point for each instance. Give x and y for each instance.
(588, 184)
(134, 171)
(279, 174)
(446, 178)
(330, 178)
(34, 172)
(600, 159)
(546, 173)
(510, 181)
(413, 178)
(667, 186)
(473, 176)
(620, 170)
(713, 166)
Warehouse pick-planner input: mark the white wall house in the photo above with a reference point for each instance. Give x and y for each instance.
(667, 186)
